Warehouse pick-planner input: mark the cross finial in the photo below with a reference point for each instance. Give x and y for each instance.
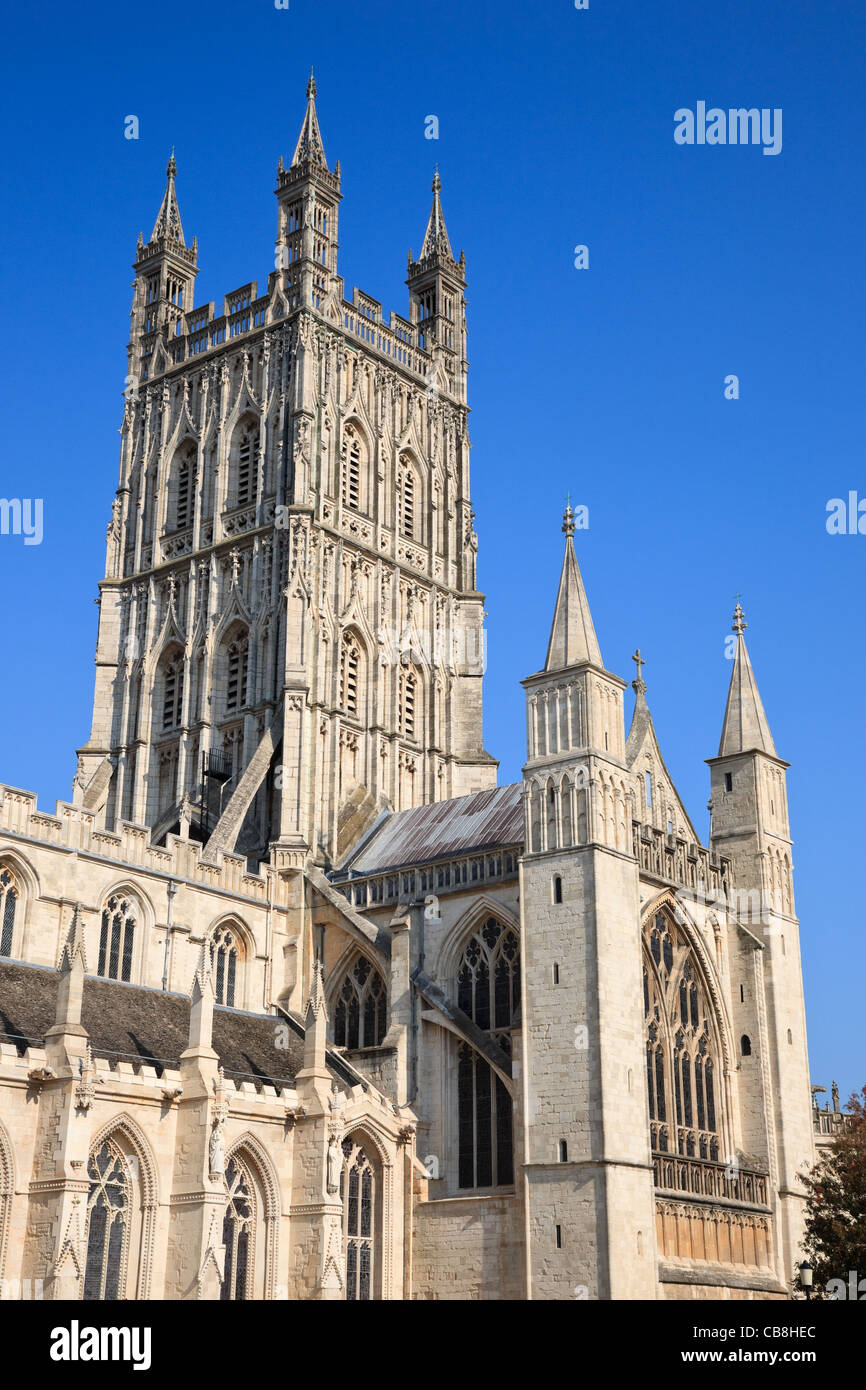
(739, 624)
(171, 167)
(311, 85)
(638, 684)
(568, 517)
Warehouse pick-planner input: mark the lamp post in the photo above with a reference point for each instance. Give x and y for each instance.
(806, 1279)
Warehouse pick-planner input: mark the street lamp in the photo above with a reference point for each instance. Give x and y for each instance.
(806, 1279)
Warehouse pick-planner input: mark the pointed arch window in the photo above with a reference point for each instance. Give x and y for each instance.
(350, 675)
(108, 1224)
(9, 893)
(408, 516)
(185, 496)
(352, 470)
(488, 990)
(236, 686)
(408, 706)
(246, 466)
(238, 1230)
(361, 1011)
(226, 954)
(359, 1195)
(681, 1049)
(172, 692)
(116, 939)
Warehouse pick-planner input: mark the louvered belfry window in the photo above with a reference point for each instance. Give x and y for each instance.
(488, 990)
(236, 691)
(247, 452)
(350, 662)
(186, 477)
(351, 482)
(172, 694)
(406, 712)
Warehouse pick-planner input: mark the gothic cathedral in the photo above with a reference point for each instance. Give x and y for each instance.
(297, 1002)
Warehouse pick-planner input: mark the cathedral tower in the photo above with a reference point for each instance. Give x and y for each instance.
(290, 635)
(750, 827)
(589, 1180)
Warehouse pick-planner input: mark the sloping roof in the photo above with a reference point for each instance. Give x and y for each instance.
(462, 825)
(127, 1022)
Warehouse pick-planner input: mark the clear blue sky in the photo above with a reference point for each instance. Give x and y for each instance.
(556, 129)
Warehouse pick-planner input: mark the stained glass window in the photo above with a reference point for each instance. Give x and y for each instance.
(359, 1222)
(361, 1013)
(108, 1217)
(680, 1064)
(116, 939)
(488, 990)
(225, 950)
(8, 903)
(238, 1232)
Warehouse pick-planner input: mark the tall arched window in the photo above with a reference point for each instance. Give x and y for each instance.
(226, 955)
(172, 691)
(353, 469)
(238, 1231)
(351, 663)
(236, 674)
(408, 712)
(184, 504)
(118, 1226)
(245, 476)
(408, 500)
(682, 1054)
(488, 990)
(8, 904)
(117, 939)
(361, 1010)
(361, 1217)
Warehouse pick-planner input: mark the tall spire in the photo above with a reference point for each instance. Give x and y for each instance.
(309, 147)
(572, 636)
(168, 222)
(436, 241)
(745, 728)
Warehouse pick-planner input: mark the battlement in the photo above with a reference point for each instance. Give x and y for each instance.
(72, 828)
(245, 313)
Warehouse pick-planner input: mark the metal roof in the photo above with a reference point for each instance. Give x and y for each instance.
(462, 825)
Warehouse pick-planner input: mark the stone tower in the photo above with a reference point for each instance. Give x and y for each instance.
(589, 1180)
(750, 827)
(290, 633)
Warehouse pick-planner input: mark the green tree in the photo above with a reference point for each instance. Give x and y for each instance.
(835, 1240)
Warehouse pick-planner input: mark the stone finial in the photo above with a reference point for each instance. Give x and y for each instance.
(739, 624)
(638, 685)
(202, 1000)
(568, 521)
(70, 988)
